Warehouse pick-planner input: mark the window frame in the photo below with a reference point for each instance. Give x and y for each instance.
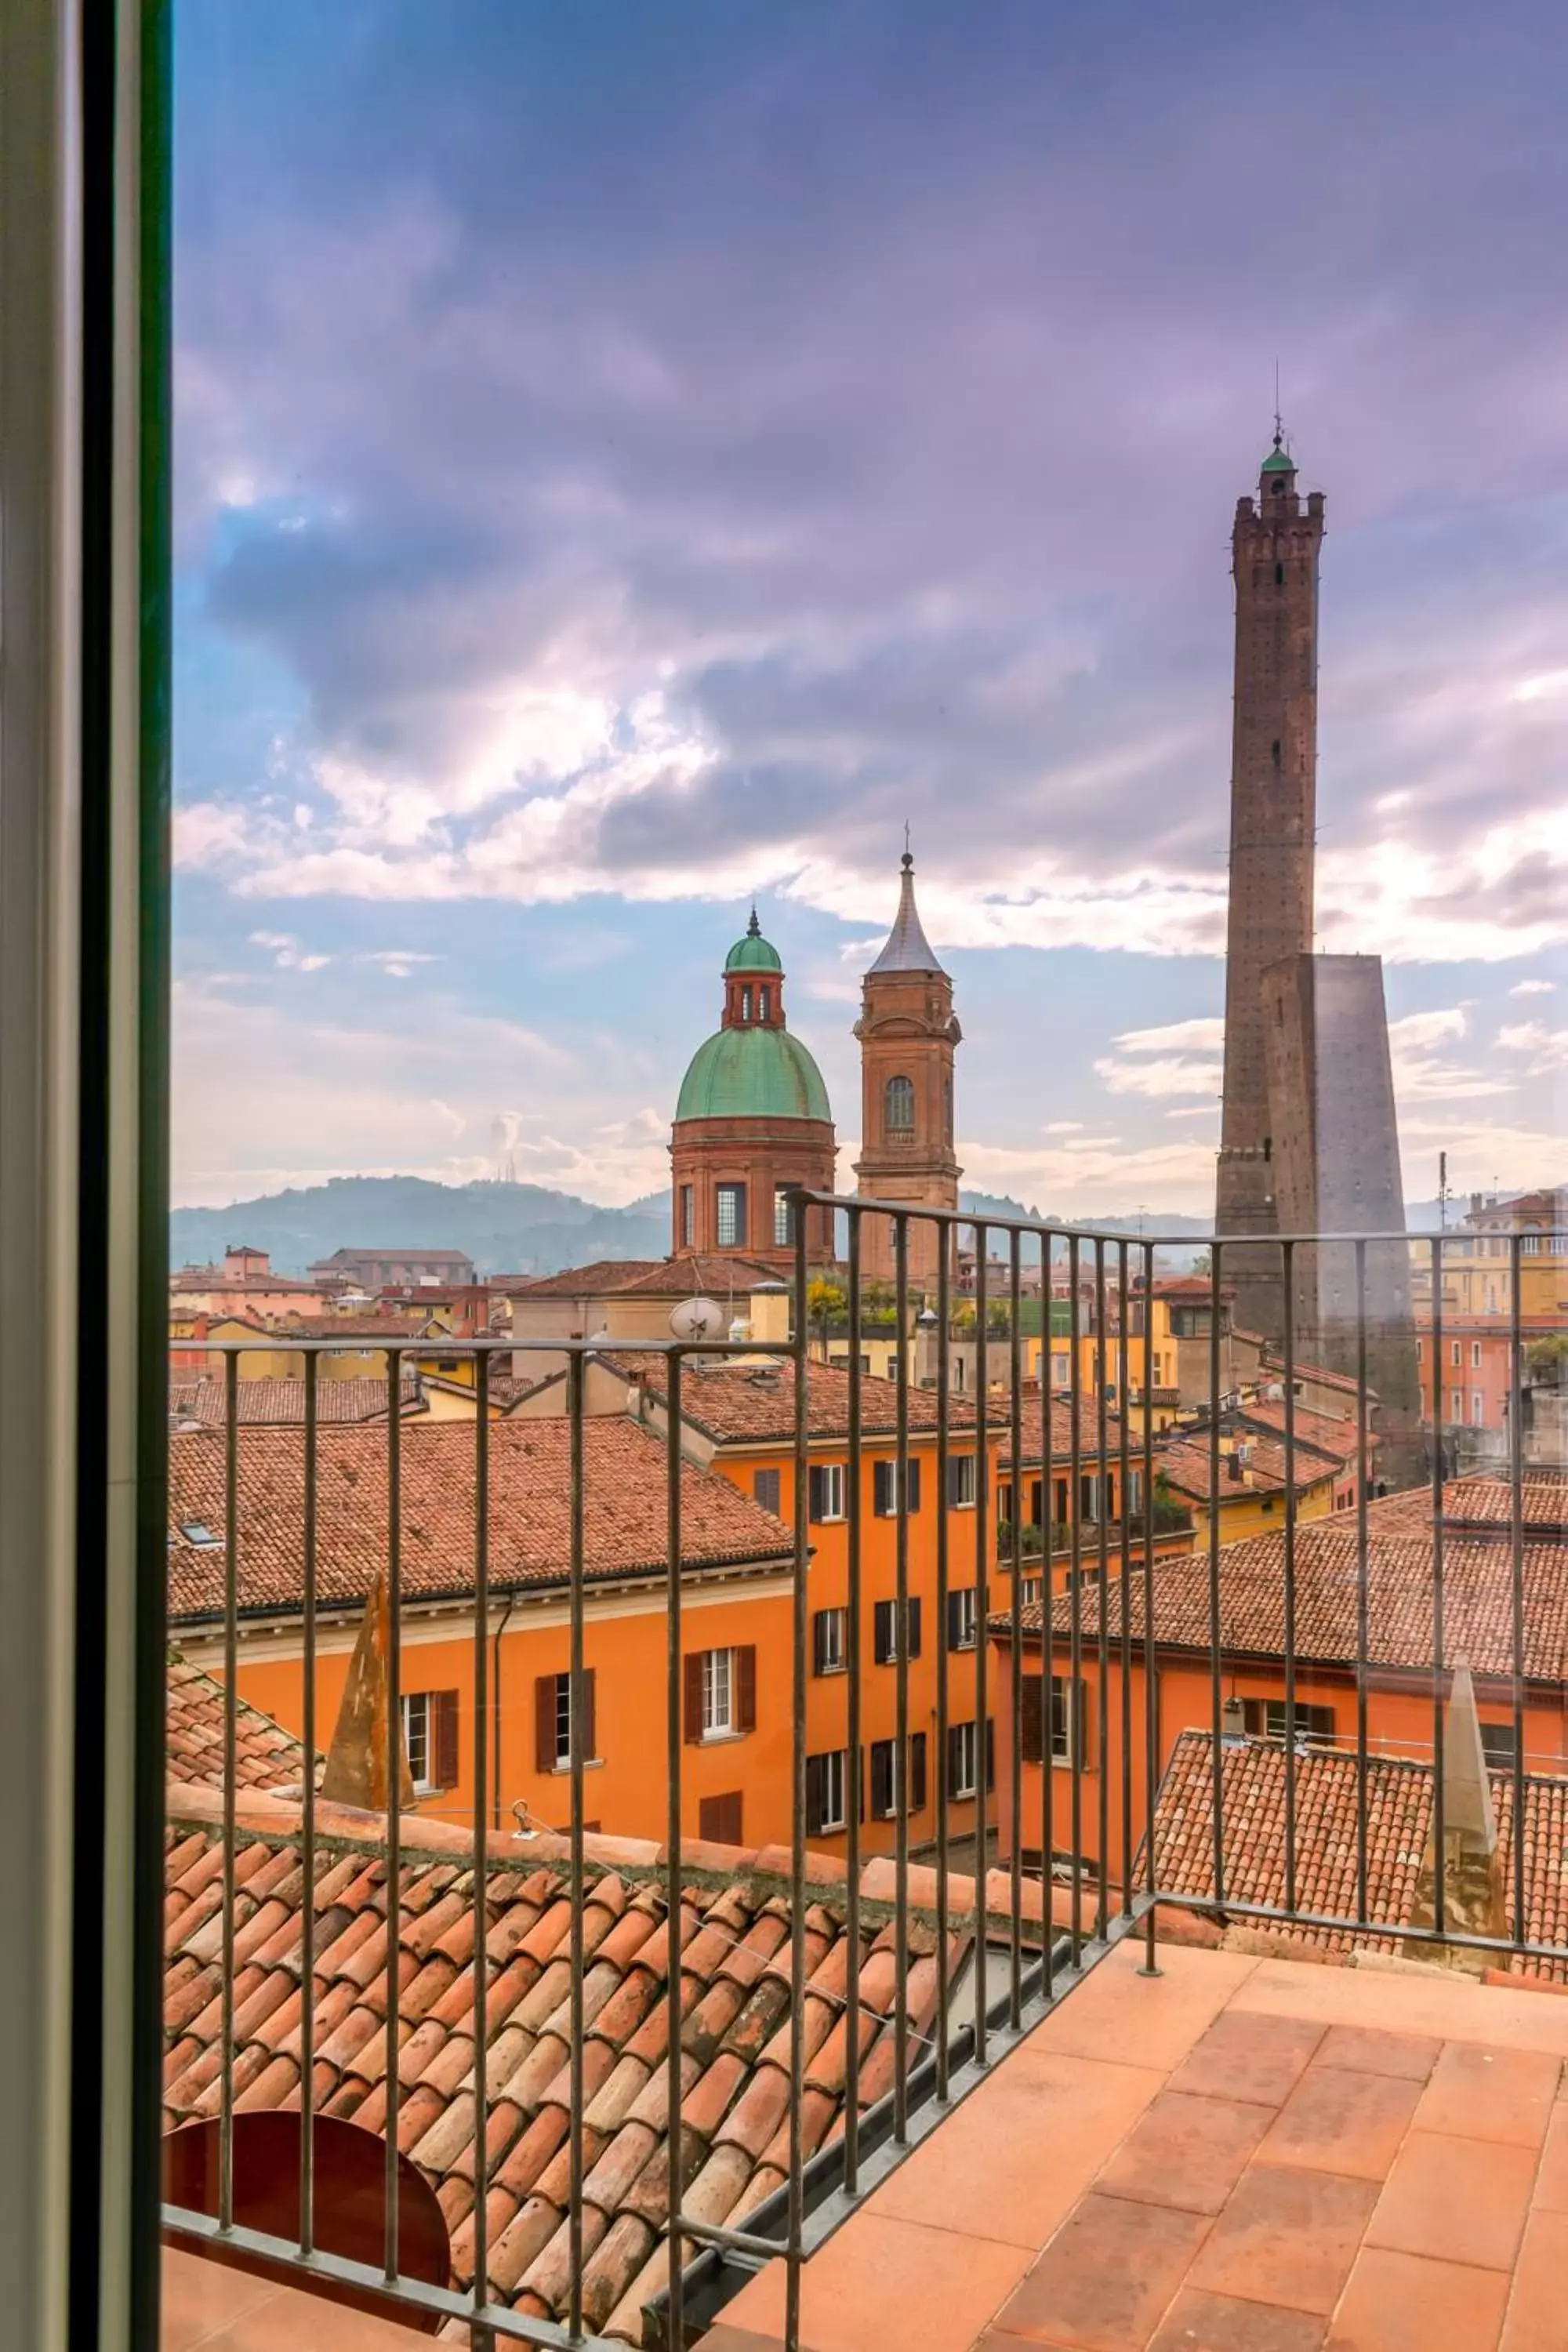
(900, 1087)
(828, 1763)
(729, 1207)
(956, 1466)
(833, 1479)
(830, 1649)
(962, 1628)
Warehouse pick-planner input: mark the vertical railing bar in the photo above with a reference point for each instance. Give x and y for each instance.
(984, 1537)
(1439, 1631)
(230, 1784)
(308, 1840)
(674, 1747)
(1124, 1514)
(1362, 1589)
(481, 1841)
(1072, 1714)
(1047, 1618)
(395, 1754)
(793, 2253)
(1516, 1545)
(1288, 1266)
(576, 1726)
(1099, 1483)
(852, 1630)
(901, 1687)
(939, 1775)
(1015, 1629)
(1150, 1700)
(1216, 1702)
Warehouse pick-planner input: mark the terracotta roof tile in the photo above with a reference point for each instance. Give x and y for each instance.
(624, 1518)
(734, 1984)
(1187, 1465)
(282, 1402)
(267, 1756)
(1478, 1581)
(1399, 1821)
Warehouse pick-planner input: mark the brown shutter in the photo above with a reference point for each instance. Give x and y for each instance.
(916, 1804)
(544, 1723)
(813, 1796)
(1034, 1731)
(746, 1689)
(718, 1818)
(588, 1749)
(443, 1739)
(694, 1695)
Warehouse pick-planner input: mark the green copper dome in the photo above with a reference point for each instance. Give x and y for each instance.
(754, 954)
(1278, 461)
(752, 1073)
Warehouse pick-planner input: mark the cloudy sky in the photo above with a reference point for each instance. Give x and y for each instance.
(632, 457)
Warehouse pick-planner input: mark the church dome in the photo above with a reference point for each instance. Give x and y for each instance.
(755, 1073)
(754, 954)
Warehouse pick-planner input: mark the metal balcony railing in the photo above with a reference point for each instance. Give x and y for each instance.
(1096, 1757)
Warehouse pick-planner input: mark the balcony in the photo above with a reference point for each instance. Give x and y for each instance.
(1249, 2037)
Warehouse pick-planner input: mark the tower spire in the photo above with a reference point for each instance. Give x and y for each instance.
(1279, 421)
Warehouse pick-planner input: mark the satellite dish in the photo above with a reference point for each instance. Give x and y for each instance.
(697, 1318)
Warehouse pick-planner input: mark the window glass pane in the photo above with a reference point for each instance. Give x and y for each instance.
(898, 1105)
(732, 1218)
(784, 1230)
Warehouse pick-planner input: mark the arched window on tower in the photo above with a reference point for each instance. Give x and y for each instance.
(764, 1002)
(898, 1105)
(746, 1004)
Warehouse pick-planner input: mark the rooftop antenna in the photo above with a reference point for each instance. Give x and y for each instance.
(1278, 422)
(909, 860)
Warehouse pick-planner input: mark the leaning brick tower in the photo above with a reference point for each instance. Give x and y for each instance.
(1273, 790)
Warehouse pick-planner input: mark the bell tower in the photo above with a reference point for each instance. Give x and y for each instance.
(1275, 547)
(907, 1033)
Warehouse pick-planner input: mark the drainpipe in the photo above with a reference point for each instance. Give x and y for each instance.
(495, 1710)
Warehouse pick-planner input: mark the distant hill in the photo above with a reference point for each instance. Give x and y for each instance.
(504, 1228)
(528, 1228)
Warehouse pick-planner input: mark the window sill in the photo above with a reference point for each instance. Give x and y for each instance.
(826, 1674)
(590, 1764)
(720, 1739)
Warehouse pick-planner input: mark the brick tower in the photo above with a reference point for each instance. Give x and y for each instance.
(907, 1033)
(1273, 791)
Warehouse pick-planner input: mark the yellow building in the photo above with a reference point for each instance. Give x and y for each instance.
(1478, 1259)
(1251, 1490)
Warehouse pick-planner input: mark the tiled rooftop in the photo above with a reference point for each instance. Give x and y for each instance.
(283, 1402)
(1245, 2154)
(735, 1403)
(1399, 1825)
(1188, 1467)
(623, 1530)
(734, 2004)
(267, 1756)
(671, 1278)
(1478, 1586)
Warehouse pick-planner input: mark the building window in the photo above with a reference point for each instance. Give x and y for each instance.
(430, 1740)
(1477, 1408)
(718, 1818)
(1279, 575)
(961, 1618)
(1058, 1371)
(1474, 1355)
(688, 1215)
(764, 1002)
(885, 1489)
(1265, 1719)
(731, 1216)
(959, 1481)
(898, 1105)
(1064, 1716)
(825, 1497)
(1456, 1404)
(1274, 751)
(885, 1778)
(783, 1221)
(765, 1489)
(1028, 1590)
(720, 1693)
(746, 1003)
(1070, 1721)
(552, 1721)
(885, 1630)
(964, 1758)
(1456, 1353)
(1499, 1744)
(830, 1642)
(826, 1779)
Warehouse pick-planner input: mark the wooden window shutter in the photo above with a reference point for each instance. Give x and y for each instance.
(915, 1624)
(544, 1723)
(1034, 1729)
(990, 1752)
(916, 1804)
(589, 1747)
(914, 1468)
(813, 1796)
(882, 1489)
(881, 1778)
(819, 1641)
(443, 1739)
(693, 1694)
(745, 1691)
(718, 1818)
(882, 1632)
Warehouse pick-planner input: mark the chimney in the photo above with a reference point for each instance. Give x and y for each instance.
(356, 1771)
